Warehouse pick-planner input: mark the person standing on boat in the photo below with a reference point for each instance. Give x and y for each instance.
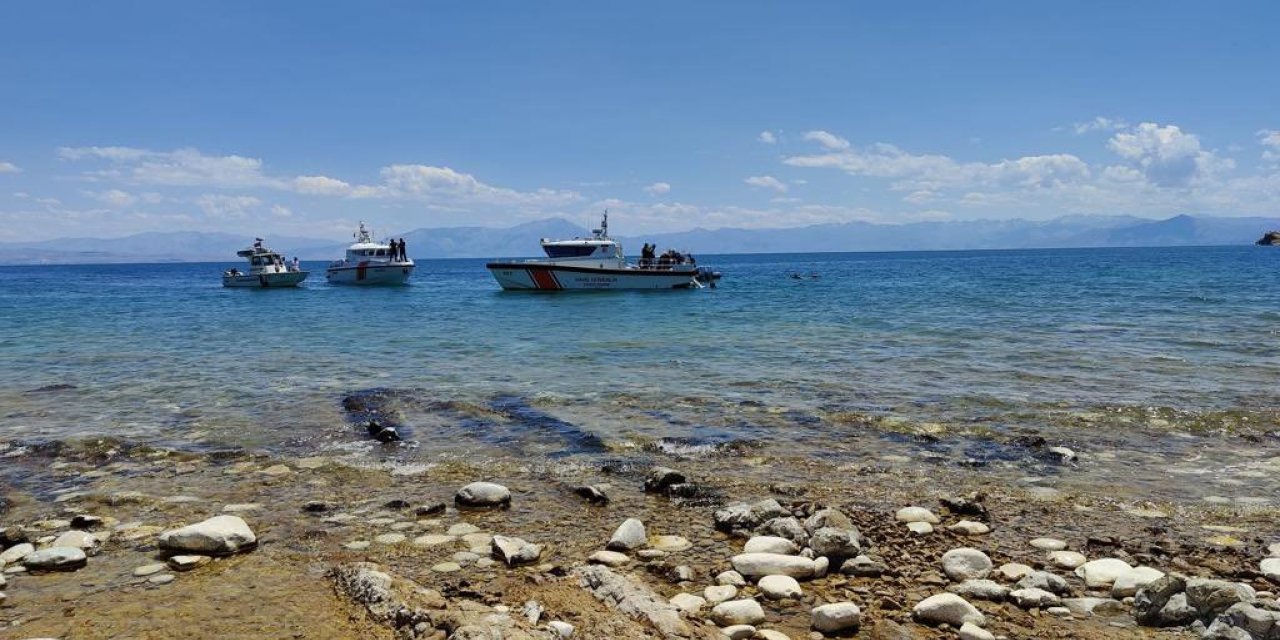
(404, 253)
(296, 265)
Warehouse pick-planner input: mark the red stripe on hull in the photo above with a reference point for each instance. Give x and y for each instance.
(544, 280)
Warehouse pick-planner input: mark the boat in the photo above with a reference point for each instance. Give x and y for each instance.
(598, 263)
(266, 269)
(369, 262)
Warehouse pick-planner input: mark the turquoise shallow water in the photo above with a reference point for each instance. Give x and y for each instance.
(1168, 339)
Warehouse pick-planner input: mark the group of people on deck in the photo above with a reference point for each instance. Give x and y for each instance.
(395, 249)
(649, 259)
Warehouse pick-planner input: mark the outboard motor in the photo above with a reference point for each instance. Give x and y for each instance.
(707, 276)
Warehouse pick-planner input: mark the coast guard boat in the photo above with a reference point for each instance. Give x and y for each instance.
(266, 269)
(598, 263)
(369, 262)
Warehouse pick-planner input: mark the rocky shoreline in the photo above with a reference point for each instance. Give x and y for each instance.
(107, 539)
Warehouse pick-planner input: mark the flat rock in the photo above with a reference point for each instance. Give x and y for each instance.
(1013, 571)
(446, 567)
(720, 593)
(662, 478)
(835, 617)
(770, 544)
(90, 543)
(515, 551)
(630, 535)
(1094, 606)
(220, 535)
(833, 542)
(1102, 572)
(947, 608)
(483, 494)
(739, 632)
(688, 603)
(1067, 559)
(187, 563)
(920, 528)
(779, 587)
(1049, 544)
(16, 553)
(969, 528)
(970, 631)
(916, 514)
(732, 578)
(755, 565)
(55, 559)
(770, 634)
(609, 558)
(980, 590)
(162, 578)
(1128, 583)
(670, 544)
(862, 567)
(737, 612)
(462, 529)
(966, 563)
(433, 539)
(1034, 598)
(390, 538)
(148, 569)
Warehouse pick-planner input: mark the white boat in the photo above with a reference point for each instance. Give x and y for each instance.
(369, 262)
(597, 263)
(266, 269)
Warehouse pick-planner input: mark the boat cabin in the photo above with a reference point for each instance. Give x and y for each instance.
(598, 247)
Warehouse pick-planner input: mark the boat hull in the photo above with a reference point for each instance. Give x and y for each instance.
(515, 276)
(265, 280)
(369, 274)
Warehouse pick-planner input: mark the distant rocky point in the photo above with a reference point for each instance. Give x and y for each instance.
(1270, 239)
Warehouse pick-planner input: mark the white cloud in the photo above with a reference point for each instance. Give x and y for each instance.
(417, 181)
(9, 167)
(658, 189)
(183, 167)
(281, 211)
(828, 140)
(225, 206)
(116, 199)
(1099, 123)
(321, 186)
(767, 137)
(1166, 155)
(767, 182)
(1270, 140)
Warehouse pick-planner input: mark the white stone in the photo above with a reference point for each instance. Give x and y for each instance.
(920, 528)
(770, 634)
(980, 590)
(1013, 571)
(55, 559)
(433, 539)
(1270, 568)
(739, 632)
(90, 543)
(1033, 598)
(835, 617)
(609, 558)
(1094, 606)
(969, 528)
(916, 514)
(820, 566)
(1273, 550)
(737, 612)
(16, 553)
(966, 563)
(515, 551)
(779, 587)
(731, 578)
(688, 603)
(219, 535)
(563, 630)
(947, 608)
(1049, 544)
(162, 578)
(446, 567)
(755, 565)
(1067, 559)
(670, 544)
(187, 563)
(720, 593)
(148, 569)
(1102, 572)
(630, 535)
(770, 544)
(483, 494)
(1128, 583)
(970, 631)
(390, 538)
(462, 529)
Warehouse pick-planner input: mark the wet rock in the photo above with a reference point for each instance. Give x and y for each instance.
(1094, 606)
(670, 544)
(431, 509)
(916, 514)
(1067, 559)
(630, 535)
(1102, 572)
(86, 522)
(390, 538)
(433, 540)
(688, 603)
(1128, 583)
(1033, 598)
(1050, 582)
(779, 587)
(188, 562)
(966, 564)
(741, 516)
(786, 527)
(980, 590)
(89, 543)
(720, 593)
(592, 494)
(162, 578)
(319, 506)
(515, 551)
(836, 543)
(462, 529)
(970, 505)
(970, 631)
(55, 559)
(16, 553)
(770, 544)
(947, 608)
(483, 494)
(12, 536)
(148, 569)
(824, 518)
(1063, 455)
(609, 558)
(1149, 603)
(220, 535)
(837, 617)
(755, 565)
(1211, 597)
(862, 567)
(660, 480)
(737, 612)
(683, 573)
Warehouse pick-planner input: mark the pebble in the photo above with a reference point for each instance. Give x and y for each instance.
(433, 539)
(1270, 567)
(688, 603)
(563, 630)
(920, 528)
(755, 565)
(1049, 544)
(778, 587)
(357, 545)
(1067, 559)
(1128, 583)
(148, 569)
(1033, 598)
(966, 563)
(474, 540)
(55, 559)
(162, 578)
(629, 535)
(483, 494)
(835, 617)
(1102, 572)
(731, 578)
(820, 566)
(16, 553)
(219, 535)
(1013, 570)
(947, 608)
(736, 612)
(462, 529)
(720, 593)
(463, 557)
(980, 590)
(515, 551)
(390, 538)
(402, 526)
(241, 507)
(609, 558)
(446, 567)
(770, 544)
(430, 509)
(969, 528)
(670, 544)
(739, 632)
(970, 631)
(916, 514)
(187, 563)
(770, 634)
(651, 554)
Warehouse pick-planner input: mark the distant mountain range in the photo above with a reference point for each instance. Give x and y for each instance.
(522, 240)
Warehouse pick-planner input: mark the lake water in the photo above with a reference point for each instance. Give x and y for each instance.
(954, 355)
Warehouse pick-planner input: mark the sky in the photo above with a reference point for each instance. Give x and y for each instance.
(302, 118)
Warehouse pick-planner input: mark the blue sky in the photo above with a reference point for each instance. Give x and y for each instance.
(302, 118)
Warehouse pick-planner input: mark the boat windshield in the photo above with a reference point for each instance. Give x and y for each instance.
(569, 251)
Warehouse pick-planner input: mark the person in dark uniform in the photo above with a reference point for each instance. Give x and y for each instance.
(404, 253)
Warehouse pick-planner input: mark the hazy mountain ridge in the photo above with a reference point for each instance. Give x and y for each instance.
(522, 239)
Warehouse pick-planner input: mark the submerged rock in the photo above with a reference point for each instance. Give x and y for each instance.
(630, 535)
(592, 494)
(515, 551)
(483, 494)
(660, 479)
(220, 535)
(55, 559)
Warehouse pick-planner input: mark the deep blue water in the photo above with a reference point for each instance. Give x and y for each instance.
(165, 352)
